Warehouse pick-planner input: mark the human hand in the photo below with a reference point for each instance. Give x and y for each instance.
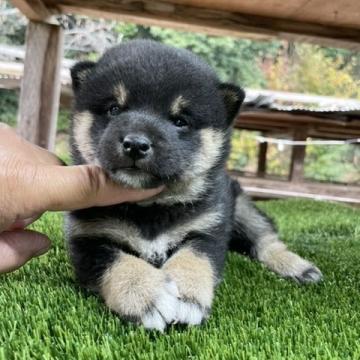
(33, 181)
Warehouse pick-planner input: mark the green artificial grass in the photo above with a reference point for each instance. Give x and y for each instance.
(256, 315)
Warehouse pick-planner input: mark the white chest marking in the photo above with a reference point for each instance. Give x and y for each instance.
(150, 249)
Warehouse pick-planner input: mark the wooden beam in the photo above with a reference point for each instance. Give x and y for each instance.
(282, 116)
(331, 132)
(40, 87)
(271, 188)
(330, 127)
(213, 21)
(35, 10)
(298, 156)
(261, 167)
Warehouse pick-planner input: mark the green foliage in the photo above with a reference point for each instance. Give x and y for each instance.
(63, 122)
(235, 60)
(8, 110)
(62, 149)
(8, 106)
(338, 163)
(243, 151)
(312, 70)
(256, 315)
(128, 31)
(12, 26)
(244, 154)
(278, 160)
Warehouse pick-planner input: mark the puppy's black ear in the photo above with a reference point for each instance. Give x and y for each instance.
(80, 72)
(233, 97)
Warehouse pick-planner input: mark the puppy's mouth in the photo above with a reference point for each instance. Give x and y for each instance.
(134, 176)
(133, 169)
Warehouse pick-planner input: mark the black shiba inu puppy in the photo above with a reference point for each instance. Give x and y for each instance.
(154, 115)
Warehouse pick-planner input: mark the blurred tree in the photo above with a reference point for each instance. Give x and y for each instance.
(244, 151)
(336, 163)
(311, 69)
(12, 25)
(8, 106)
(235, 60)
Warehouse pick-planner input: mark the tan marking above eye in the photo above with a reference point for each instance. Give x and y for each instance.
(121, 94)
(178, 105)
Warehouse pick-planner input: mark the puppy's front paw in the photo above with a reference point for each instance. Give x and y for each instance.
(141, 293)
(193, 276)
(164, 309)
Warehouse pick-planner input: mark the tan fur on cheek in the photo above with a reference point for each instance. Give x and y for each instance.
(82, 125)
(193, 274)
(211, 148)
(129, 284)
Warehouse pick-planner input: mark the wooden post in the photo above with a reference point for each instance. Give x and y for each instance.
(40, 87)
(298, 156)
(261, 167)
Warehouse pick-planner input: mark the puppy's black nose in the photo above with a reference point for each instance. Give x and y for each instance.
(136, 146)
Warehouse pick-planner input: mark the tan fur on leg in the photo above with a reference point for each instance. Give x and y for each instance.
(274, 254)
(135, 289)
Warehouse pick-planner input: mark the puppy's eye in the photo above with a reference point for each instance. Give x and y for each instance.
(114, 110)
(180, 122)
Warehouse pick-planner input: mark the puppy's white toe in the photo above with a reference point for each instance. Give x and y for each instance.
(153, 320)
(190, 313)
(167, 303)
(165, 308)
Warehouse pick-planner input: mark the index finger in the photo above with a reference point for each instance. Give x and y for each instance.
(82, 186)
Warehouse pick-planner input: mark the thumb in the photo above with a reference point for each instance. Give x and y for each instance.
(18, 247)
(83, 186)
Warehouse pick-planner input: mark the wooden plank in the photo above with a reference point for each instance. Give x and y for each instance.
(188, 17)
(341, 129)
(314, 131)
(261, 167)
(335, 12)
(40, 87)
(323, 134)
(298, 156)
(277, 193)
(35, 10)
(298, 118)
(280, 188)
(342, 12)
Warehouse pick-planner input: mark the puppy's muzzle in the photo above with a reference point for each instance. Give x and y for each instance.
(136, 146)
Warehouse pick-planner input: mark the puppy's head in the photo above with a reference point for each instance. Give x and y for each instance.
(150, 114)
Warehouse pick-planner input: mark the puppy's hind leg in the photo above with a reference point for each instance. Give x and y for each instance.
(255, 233)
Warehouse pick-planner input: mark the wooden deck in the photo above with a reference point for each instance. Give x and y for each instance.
(273, 189)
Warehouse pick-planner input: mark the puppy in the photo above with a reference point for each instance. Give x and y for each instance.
(154, 115)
